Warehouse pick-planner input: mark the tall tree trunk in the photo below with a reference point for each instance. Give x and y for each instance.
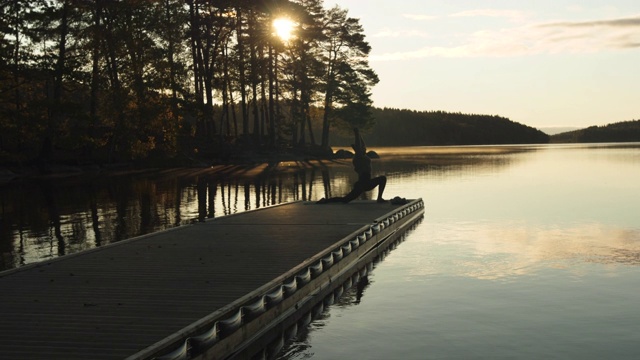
(256, 112)
(116, 139)
(209, 58)
(196, 55)
(300, 116)
(264, 111)
(272, 114)
(328, 103)
(233, 111)
(241, 69)
(294, 117)
(254, 79)
(277, 94)
(307, 117)
(224, 114)
(228, 85)
(264, 117)
(62, 53)
(208, 112)
(137, 65)
(16, 67)
(172, 63)
(56, 110)
(95, 67)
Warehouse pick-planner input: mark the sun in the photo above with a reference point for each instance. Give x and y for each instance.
(283, 28)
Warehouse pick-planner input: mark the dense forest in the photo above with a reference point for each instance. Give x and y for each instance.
(100, 81)
(396, 127)
(626, 131)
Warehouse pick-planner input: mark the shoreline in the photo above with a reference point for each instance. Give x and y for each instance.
(248, 164)
(244, 163)
(9, 174)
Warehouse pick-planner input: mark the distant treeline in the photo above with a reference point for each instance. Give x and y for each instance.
(395, 127)
(625, 131)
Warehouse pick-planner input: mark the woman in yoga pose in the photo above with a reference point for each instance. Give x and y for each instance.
(362, 166)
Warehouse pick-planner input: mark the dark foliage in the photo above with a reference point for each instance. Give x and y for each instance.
(157, 81)
(626, 131)
(395, 127)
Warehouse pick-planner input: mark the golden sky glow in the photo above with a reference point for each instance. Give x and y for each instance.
(561, 63)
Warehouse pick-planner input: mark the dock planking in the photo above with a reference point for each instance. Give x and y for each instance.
(112, 302)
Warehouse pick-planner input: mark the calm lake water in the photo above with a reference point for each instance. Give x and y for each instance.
(525, 255)
(524, 252)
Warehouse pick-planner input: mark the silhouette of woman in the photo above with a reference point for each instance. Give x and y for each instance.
(362, 166)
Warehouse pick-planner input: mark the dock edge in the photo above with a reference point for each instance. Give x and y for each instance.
(241, 328)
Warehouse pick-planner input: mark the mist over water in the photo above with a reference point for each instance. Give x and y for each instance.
(524, 251)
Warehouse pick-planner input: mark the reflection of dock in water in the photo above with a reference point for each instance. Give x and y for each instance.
(229, 286)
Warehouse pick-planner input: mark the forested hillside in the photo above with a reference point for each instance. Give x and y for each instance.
(626, 131)
(396, 127)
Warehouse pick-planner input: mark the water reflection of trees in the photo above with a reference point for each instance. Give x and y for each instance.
(48, 218)
(53, 217)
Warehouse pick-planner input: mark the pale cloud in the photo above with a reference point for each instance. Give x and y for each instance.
(512, 15)
(590, 36)
(631, 22)
(546, 38)
(419, 17)
(388, 33)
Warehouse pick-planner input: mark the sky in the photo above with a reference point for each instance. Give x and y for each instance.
(542, 63)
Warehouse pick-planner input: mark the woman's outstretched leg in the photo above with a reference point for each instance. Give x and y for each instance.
(330, 200)
(352, 195)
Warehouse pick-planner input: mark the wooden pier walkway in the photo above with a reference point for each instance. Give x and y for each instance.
(200, 291)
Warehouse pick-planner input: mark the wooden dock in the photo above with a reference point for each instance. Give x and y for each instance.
(210, 290)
